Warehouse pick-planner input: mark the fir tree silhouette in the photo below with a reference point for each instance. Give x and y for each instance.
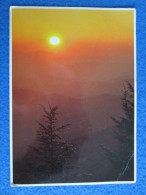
(53, 152)
(123, 159)
(49, 155)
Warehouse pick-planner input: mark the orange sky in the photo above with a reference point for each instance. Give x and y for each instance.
(97, 48)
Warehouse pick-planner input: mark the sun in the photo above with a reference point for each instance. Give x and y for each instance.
(54, 40)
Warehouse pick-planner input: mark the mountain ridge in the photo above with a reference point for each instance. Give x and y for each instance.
(86, 115)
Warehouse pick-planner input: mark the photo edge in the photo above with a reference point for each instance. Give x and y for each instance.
(10, 94)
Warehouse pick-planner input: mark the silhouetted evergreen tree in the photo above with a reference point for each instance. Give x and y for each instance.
(123, 159)
(47, 157)
(52, 152)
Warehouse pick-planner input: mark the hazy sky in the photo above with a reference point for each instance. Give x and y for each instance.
(95, 56)
(96, 50)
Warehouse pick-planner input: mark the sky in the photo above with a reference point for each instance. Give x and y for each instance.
(95, 54)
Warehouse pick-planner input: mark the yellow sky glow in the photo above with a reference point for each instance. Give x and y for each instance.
(72, 25)
(93, 46)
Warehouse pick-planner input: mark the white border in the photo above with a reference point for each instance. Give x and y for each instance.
(135, 101)
(10, 97)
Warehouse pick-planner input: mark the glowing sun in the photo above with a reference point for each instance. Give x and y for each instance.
(54, 40)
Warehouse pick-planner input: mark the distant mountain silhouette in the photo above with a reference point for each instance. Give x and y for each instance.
(86, 116)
